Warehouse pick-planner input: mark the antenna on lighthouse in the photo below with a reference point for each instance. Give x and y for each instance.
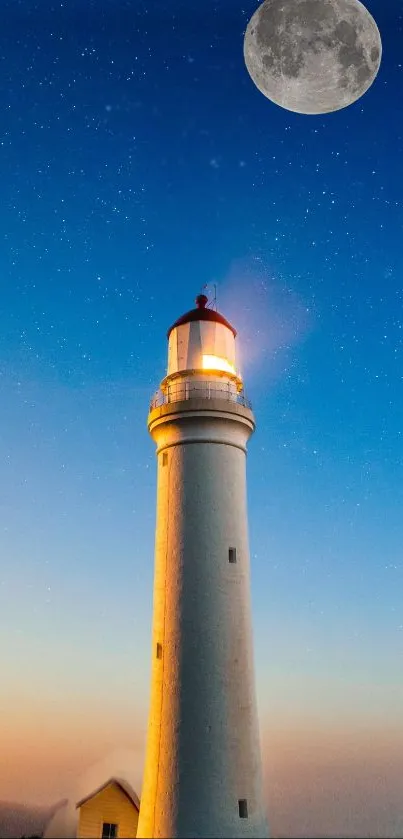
(212, 304)
(214, 301)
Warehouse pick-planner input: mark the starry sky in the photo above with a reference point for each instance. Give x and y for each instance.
(139, 163)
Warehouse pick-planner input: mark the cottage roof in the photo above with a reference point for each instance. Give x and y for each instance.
(119, 782)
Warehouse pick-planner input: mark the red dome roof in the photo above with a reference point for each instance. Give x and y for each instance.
(201, 313)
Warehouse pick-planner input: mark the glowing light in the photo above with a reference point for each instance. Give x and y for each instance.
(214, 362)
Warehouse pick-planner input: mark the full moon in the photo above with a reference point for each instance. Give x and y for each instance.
(312, 56)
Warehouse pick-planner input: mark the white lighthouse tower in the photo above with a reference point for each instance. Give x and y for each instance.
(203, 773)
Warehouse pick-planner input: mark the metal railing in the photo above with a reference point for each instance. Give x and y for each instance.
(181, 391)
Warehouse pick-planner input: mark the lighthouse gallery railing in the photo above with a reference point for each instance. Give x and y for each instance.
(198, 390)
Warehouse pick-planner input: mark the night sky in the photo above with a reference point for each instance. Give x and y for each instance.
(138, 163)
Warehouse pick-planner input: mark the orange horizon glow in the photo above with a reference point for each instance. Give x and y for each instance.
(338, 778)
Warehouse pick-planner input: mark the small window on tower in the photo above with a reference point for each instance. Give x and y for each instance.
(243, 808)
(159, 650)
(164, 458)
(231, 554)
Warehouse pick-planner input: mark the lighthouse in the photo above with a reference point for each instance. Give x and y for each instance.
(203, 775)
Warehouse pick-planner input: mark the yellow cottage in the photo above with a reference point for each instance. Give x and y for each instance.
(110, 812)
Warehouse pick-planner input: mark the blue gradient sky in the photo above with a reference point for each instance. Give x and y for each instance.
(139, 162)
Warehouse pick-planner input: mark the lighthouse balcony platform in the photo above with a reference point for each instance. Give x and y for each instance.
(182, 391)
